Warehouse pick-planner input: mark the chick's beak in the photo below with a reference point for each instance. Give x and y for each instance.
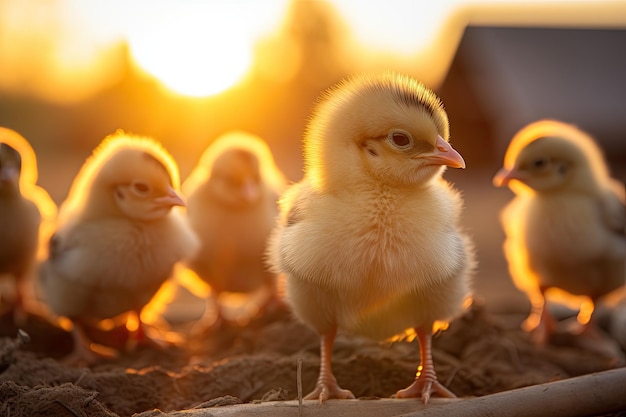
(171, 199)
(250, 191)
(503, 177)
(444, 154)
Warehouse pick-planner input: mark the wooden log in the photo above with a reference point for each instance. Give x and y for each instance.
(589, 395)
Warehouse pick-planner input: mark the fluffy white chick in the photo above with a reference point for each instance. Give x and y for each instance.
(26, 212)
(369, 240)
(232, 206)
(118, 236)
(565, 227)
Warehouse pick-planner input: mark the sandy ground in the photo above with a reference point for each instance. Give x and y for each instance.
(480, 354)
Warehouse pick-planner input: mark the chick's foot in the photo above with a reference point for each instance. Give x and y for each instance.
(327, 388)
(86, 352)
(425, 382)
(423, 387)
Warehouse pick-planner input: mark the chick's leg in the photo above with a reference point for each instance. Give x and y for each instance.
(587, 333)
(539, 323)
(425, 382)
(20, 309)
(584, 317)
(139, 333)
(85, 352)
(327, 386)
(25, 303)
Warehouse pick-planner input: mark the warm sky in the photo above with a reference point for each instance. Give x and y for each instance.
(168, 39)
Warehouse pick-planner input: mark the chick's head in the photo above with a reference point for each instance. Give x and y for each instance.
(126, 176)
(235, 179)
(17, 158)
(551, 156)
(389, 126)
(235, 171)
(19, 174)
(146, 193)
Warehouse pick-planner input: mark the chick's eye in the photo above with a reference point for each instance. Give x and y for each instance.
(141, 187)
(400, 140)
(540, 163)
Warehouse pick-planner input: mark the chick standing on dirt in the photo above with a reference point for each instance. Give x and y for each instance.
(232, 207)
(23, 204)
(369, 240)
(565, 227)
(118, 237)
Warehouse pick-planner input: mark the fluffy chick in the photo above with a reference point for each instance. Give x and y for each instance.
(118, 237)
(369, 240)
(26, 211)
(232, 206)
(565, 227)
(19, 224)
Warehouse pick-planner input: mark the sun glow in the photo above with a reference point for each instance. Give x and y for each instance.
(395, 25)
(200, 49)
(68, 50)
(191, 55)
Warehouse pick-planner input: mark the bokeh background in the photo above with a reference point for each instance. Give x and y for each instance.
(184, 72)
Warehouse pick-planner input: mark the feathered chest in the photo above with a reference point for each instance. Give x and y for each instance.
(19, 226)
(116, 252)
(382, 242)
(235, 230)
(569, 229)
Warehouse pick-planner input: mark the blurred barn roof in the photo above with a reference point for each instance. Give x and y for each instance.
(502, 78)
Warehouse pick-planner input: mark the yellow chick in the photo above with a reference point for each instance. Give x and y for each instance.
(369, 240)
(565, 227)
(118, 237)
(26, 213)
(232, 206)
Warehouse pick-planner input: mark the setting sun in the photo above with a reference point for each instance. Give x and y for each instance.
(198, 49)
(194, 54)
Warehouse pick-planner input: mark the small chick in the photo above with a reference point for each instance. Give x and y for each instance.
(232, 206)
(118, 237)
(19, 223)
(565, 227)
(369, 240)
(25, 211)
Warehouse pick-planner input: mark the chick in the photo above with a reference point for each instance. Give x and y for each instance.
(369, 239)
(19, 224)
(118, 237)
(26, 211)
(232, 206)
(565, 227)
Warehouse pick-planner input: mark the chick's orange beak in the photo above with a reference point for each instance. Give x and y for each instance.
(171, 199)
(444, 154)
(503, 177)
(250, 191)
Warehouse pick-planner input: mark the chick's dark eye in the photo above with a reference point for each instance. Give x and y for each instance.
(540, 163)
(400, 139)
(141, 188)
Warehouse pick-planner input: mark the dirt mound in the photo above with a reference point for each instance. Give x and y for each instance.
(479, 354)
